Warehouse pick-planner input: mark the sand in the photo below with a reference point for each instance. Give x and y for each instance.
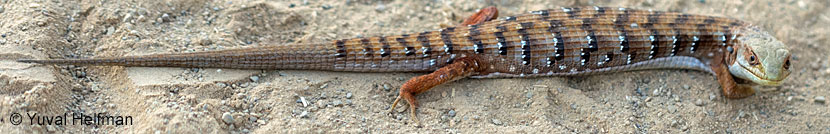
(210, 100)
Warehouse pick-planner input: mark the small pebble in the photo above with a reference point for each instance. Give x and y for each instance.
(227, 117)
(292, 5)
(165, 18)
(348, 95)
(305, 102)
(387, 87)
(741, 114)
(497, 122)
(800, 98)
(451, 113)
(50, 128)
(322, 95)
(41, 23)
(304, 114)
(699, 102)
(820, 99)
(686, 87)
(252, 119)
(380, 7)
(337, 103)
(2, 9)
(254, 78)
(326, 7)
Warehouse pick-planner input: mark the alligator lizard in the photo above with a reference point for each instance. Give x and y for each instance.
(556, 42)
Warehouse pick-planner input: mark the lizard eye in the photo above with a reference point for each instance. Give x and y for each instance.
(752, 58)
(787, 64)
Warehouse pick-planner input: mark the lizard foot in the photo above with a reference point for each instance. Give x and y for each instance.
(460, 68)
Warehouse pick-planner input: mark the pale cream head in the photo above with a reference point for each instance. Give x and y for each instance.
(760, 58)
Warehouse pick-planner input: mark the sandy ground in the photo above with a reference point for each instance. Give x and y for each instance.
(191, 100)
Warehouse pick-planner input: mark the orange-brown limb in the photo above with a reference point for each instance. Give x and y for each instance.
(483, 15)
(460, 68)
(731, 89)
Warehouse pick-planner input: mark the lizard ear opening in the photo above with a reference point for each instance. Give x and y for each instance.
(787, 63)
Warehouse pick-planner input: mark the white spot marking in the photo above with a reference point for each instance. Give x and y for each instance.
(512, 68)
(562, 67)
(475, 47)
(566, 9)
(723, 38)
(535, 71)
(634, 25)
(549, 62)
(589, 40)
(628, 60)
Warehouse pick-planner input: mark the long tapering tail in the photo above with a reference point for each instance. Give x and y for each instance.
(305, 56)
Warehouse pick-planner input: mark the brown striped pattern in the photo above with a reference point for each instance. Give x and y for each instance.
(558, 41)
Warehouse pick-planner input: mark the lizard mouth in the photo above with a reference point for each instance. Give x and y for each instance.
(763, 80)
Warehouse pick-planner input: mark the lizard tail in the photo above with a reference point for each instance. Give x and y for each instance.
(305, 56)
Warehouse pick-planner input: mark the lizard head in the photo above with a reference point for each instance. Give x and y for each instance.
(759, 57)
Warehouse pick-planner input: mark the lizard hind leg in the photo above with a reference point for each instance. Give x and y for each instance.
(461, 68)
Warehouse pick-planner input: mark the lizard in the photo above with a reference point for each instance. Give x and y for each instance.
(567, 41)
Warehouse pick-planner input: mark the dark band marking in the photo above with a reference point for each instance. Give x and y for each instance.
(625, 46)
(341, 48)
(609, 57)
(709, 20)
(502, 43)
(560, 43)
(545, 15)
(571, 12)
(655, 35)
(510, 18)
(445, 36)
(384, 49)
(409, 50)
(526, 42)
(425, 46)
(622, 18)
(367, 47)
(474, 38)
(734, 24)
(592, 40)
(600, 12)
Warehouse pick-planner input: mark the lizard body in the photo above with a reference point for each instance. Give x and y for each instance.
(556, 42)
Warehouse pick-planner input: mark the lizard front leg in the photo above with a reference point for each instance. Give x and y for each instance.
(460, 68)
(731, 89)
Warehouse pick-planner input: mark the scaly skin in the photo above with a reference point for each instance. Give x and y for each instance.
(557, 42)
